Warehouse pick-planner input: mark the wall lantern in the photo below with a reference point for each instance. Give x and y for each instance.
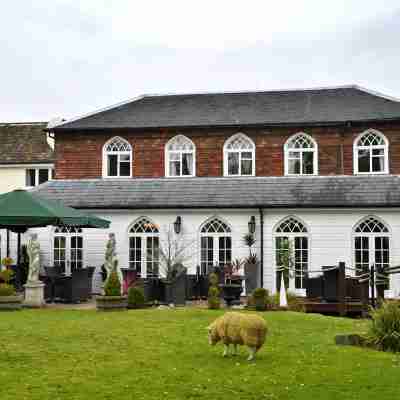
(252, 224)
(177, 225)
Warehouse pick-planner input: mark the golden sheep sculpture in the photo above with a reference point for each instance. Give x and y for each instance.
(238, 329)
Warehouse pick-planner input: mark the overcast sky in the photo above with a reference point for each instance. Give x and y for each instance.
(62, 58)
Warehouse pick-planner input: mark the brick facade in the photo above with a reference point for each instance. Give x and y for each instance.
(79, 155)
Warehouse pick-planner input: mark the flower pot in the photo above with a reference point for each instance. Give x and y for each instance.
(10, 303)
(111, 303)
(231, 293)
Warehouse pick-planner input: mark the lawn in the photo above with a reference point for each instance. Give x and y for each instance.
(164, 354)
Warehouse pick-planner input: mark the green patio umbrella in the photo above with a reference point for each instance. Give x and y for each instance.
(21, 210)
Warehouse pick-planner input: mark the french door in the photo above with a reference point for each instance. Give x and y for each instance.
(371, 249)
(215, 250)
(68, 249)
(144, 254)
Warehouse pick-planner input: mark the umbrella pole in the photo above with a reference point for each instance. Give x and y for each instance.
(19, 249)
(8, 243)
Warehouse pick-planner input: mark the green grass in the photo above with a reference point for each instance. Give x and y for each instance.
(164, 354)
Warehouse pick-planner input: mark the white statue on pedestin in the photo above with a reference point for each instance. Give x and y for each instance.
(33, 250)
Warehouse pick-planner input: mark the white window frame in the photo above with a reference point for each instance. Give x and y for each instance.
(118, 153)
(144, 236)
(371, 246)
(227, 151)
(180, 153)
(215, 236)
(49, 175)
(385, 148)
(291, 237)
(302, 150)
(68, 236)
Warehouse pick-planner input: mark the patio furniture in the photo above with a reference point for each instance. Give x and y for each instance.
(175, 289)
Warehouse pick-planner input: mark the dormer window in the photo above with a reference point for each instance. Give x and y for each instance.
(239, 156)
(180, 157)
(371, 153)
(117, 158)
(301, 155)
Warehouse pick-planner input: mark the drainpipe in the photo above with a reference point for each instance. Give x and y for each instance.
(261, 247)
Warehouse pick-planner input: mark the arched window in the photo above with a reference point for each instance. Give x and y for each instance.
(117, 158)
(68, 248)
(144, 242)
(370, 153)
(215, 244)
(371, 245)
(292, 250)
(301, 155)
(239, 156)
(180, 157)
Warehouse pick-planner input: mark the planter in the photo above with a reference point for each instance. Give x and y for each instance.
(252, 277)
(111, 303)
(231, 293)
(10, 303)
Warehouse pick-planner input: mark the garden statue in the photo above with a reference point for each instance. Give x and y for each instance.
(111, 261)
(33, 250)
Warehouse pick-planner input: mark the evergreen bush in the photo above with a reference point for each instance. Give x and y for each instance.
(135, 297)
(213, 292)
(260, 299)
(7, 290)
(113, 285)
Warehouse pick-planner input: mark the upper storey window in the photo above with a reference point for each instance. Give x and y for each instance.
(371, 153)
(301, 155)
(180, 154)
(117, 158)
(239, 156)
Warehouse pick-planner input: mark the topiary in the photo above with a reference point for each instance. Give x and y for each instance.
(384, 332)
(213, 292)
(6, 290)
(6, 275)
(260, 299)
(135, 297)
(113, 285)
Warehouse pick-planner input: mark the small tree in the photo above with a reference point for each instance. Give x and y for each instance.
(249, 240)
(213, 292)
(113, 285)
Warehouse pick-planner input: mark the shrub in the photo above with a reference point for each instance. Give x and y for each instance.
(294, 304)
(135, 297)
(6, 275)
(6, 289)
(213, 292)
(384, 332)
(113, 285)
(260, 299)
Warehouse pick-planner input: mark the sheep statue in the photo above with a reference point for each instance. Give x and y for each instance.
(238, 329)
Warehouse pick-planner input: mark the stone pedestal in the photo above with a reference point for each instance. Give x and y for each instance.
(34, 294)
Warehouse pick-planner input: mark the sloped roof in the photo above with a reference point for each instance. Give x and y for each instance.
(307, 106)
(249, 192)
(24, 143)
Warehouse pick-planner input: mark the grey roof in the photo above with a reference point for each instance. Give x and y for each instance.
(309, 106)
(286, 192)
(24, 143)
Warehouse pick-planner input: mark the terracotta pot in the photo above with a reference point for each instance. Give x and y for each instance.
(111, 303)
(10, 302)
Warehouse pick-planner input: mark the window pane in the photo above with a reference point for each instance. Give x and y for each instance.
(294, 166)
(174, 168)
(247, 155)
(30, 177)
(378, 164)
(363, 161)
(125, 157)
(43, 176)
(187, 164)
(233, 163)
(112, 167)
(308, 162)
(125, 169)
(247, 167)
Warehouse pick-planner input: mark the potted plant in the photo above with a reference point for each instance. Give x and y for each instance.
(260, 299)
(232, 288)
(9, 300)
(112, 299)
(251, 265)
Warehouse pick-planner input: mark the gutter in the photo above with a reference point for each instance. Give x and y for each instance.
(261, 247)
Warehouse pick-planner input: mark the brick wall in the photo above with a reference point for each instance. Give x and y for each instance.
(79, 155)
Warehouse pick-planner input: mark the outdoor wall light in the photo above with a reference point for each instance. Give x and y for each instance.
(178, 224)
(252, 224)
